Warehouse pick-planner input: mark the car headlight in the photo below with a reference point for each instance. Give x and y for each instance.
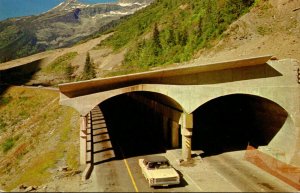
(151, 180)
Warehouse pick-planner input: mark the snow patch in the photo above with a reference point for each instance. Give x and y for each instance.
(58, 5)
(119, 13)
(54, 7)
(129, 4)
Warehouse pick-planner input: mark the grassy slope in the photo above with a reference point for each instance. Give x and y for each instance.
(36, 134)
(184, 27)
(60, 70)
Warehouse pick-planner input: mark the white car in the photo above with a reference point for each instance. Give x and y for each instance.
(158, 171)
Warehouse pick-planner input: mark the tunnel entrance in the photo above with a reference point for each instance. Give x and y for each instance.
(135, 128)
(231, 123)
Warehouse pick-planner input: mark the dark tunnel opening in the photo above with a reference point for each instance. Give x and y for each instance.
(134, 128)
(231, 123)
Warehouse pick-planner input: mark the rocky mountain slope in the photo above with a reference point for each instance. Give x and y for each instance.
(61, 26)
(270, 28)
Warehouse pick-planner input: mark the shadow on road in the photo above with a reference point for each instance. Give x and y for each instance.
(100, 149)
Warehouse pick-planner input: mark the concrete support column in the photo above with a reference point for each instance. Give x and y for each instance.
(186, 132)
(175, 134)
(83, 139)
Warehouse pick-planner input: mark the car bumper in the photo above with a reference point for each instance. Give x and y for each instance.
(164, 183)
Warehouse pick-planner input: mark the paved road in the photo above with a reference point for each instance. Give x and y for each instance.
(5, 86)
(125, 176)
(244, 175)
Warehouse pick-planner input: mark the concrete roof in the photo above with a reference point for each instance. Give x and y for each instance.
(80, 88)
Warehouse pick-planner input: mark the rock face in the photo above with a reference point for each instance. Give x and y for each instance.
(62, 26)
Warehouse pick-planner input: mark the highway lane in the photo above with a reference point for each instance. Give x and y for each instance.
(109, 171)
(142, 184)
(114, 176)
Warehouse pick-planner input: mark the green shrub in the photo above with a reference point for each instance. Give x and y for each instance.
(5, 100)
(62, 65)
(2, 125)
(8, 144)
(264, 30)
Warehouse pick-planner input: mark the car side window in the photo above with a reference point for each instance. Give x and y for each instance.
(151, 165)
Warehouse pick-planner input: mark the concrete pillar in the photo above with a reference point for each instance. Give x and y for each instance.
(175, 134)
(186, 132)
(83, 139)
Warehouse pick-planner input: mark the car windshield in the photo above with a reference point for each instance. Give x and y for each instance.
(158, 165)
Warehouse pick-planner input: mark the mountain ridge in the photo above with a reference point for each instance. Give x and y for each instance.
(62, 26)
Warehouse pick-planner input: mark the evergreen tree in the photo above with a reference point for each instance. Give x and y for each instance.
(171, 38)
(157, 45)
(200, 23)
(88, 71)
(184, 37)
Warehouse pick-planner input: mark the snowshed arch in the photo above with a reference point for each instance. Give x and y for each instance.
(143, 122)
(232, 122)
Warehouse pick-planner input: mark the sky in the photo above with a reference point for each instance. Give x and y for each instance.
(17, 8)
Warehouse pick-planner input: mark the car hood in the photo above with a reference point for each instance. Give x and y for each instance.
(163, 173)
